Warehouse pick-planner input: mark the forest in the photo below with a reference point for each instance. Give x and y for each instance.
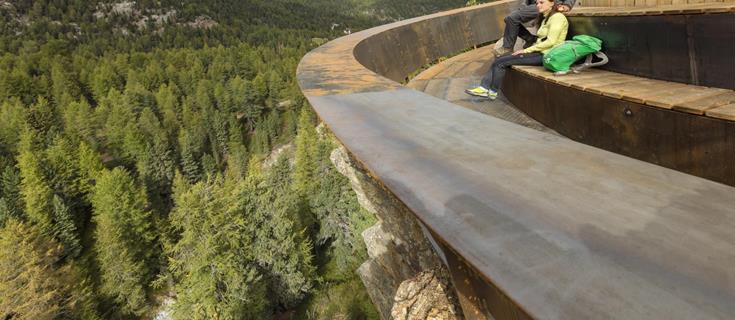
(138, 177)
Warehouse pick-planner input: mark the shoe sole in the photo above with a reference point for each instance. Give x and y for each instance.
(480, 95)
(475, 94)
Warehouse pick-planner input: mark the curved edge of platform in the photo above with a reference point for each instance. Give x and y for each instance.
(565, 230)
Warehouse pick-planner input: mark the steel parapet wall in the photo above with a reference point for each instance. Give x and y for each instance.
(688, 48)
(399, 51)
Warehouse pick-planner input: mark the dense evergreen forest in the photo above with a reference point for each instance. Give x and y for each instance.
(137, 176)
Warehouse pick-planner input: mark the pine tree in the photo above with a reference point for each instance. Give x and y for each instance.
(64, 228)
(63, 168)
(35, 188)
(90, 166)
(259, 142)
(11, 191)
(217, 275)
(34, 284)
(189, 156)
(41, 117)
(168, 104)
(260, 90)
(64, 87)
(126, 244)
(281, 244)
(115, 118)
(12, 121)
(79, 124)
(289, 126)
(305, 157)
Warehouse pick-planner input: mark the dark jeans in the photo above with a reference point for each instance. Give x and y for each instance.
(494, 78)
(514, 25)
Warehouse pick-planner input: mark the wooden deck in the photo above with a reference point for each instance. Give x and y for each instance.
(448, 79)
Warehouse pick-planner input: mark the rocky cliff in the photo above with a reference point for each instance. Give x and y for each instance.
(404, 276)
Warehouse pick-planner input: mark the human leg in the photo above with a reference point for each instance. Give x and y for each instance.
(497, 72)
(514, 24)
(491, 82)
(487, 80)
(527, 36)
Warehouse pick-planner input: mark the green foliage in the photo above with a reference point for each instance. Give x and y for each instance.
(79, 124)
(284, 247)
(35, 187)
(90, 166)
(33, 284)
(12, 121)
(118, 136)
(126, 242)
(63, 167)
(64, 228)
(217, 276)
(306, 153)
(346, 299)
(11, 201)
(328, 195)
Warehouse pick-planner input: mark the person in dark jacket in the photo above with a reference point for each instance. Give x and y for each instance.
(514, 28)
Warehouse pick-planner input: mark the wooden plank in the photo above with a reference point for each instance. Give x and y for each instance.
(540, 72)
(641, 93)
(570, 80)
(637, 91)
(669, 99)
(666, 89)
(702, 105)
(612, 80)
(726, 112)
(534, 71)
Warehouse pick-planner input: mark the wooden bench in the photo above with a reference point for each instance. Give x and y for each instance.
(697, 100)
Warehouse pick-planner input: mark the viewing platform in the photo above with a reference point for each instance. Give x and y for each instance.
(603, 195)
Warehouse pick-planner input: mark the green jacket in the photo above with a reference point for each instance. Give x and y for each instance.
(553, 31)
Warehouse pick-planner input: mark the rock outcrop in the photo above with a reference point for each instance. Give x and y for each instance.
(404, 277)
(425, 296)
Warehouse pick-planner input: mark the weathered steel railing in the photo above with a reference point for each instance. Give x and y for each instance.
(533, 225)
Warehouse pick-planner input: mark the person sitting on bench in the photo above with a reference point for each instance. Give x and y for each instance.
(514, 28)
(552, 32)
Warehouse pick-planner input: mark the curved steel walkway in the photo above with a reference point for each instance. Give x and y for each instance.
(556, 229)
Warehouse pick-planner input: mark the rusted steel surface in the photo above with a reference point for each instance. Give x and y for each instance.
(698, 145)
(558, 229)
(476, 295)
(687, 48)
